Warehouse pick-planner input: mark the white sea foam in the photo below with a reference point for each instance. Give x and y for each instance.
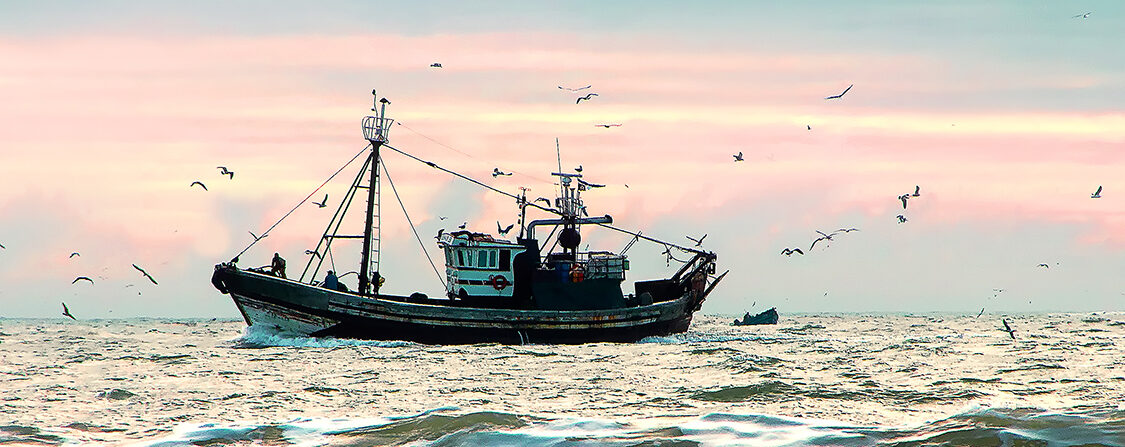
(267, 337)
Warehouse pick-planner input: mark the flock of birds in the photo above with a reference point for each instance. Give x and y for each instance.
(739, 157)
(223, 170)
(901, 218)
(66, 310)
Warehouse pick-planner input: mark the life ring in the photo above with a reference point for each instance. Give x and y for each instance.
(577, 272)
(498, 282)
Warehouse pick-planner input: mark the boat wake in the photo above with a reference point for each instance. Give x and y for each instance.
(258, 337)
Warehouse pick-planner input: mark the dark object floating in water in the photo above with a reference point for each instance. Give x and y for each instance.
(493, 290)
(767, 317)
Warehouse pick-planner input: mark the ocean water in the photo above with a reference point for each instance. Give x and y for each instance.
(812, 380)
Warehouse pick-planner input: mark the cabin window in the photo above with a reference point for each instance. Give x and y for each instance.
(460, 258)
(505, 259)
(482, 258)
(492, 258)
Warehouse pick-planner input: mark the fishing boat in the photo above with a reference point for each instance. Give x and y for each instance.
(496, 290)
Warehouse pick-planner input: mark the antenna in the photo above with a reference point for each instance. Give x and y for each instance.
(558, 153)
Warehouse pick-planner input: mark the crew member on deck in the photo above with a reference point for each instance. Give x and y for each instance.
(330, 281)
(277, 267)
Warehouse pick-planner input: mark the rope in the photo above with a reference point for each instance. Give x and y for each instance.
(469, 179)
(412, 228)
(302, 202)
(472, 157)
(638, 235)
(433, 140)
(550, 210)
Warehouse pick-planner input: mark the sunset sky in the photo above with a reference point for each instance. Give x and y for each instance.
(1007, 114)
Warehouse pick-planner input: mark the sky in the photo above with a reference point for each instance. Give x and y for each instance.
(1007, 115)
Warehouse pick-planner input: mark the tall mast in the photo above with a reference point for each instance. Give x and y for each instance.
(375, 129)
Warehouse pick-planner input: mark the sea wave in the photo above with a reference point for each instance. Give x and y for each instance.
(454, 427)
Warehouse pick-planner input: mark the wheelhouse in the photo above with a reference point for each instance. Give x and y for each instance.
(477, 265)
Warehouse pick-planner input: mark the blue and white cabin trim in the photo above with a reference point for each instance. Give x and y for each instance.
(478, 265)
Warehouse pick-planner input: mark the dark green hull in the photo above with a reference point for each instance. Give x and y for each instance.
(300, 308)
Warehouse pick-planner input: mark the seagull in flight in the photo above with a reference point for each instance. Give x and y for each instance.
(1097, 194)
(224, 171)
(436, 65)
(197, 182)
(578, 169)
(845, 230)
(80, 278)
(738, 156)
(1011, 332)
(587, 97)
(841, 94)
(442, 217)
(503, 231)
(143, 272)
(901, 218)
(544, 199)
(313, 252)
(256, 238)
(1083, 16)
(1043, 265)
(463, 225)
(981, 312)
(589, 185)
(66, 312)
(75, 254)
(789, 251)
(575, 89)
(607, 126)
(826, 237)
(496, 172)
(903, 198)
(322, 203)
(699, 241)
(917, 191)
(823, 237)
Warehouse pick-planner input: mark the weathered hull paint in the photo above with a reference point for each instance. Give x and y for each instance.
(304, 309)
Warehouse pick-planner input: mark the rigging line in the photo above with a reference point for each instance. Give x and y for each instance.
(469, 179)
(302, 202)
(387, 174)
(337, 219)
(641, 236)
(466, 154)
(433, 140)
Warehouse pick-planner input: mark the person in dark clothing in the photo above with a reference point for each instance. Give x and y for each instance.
(331, 282)
(277, 267)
